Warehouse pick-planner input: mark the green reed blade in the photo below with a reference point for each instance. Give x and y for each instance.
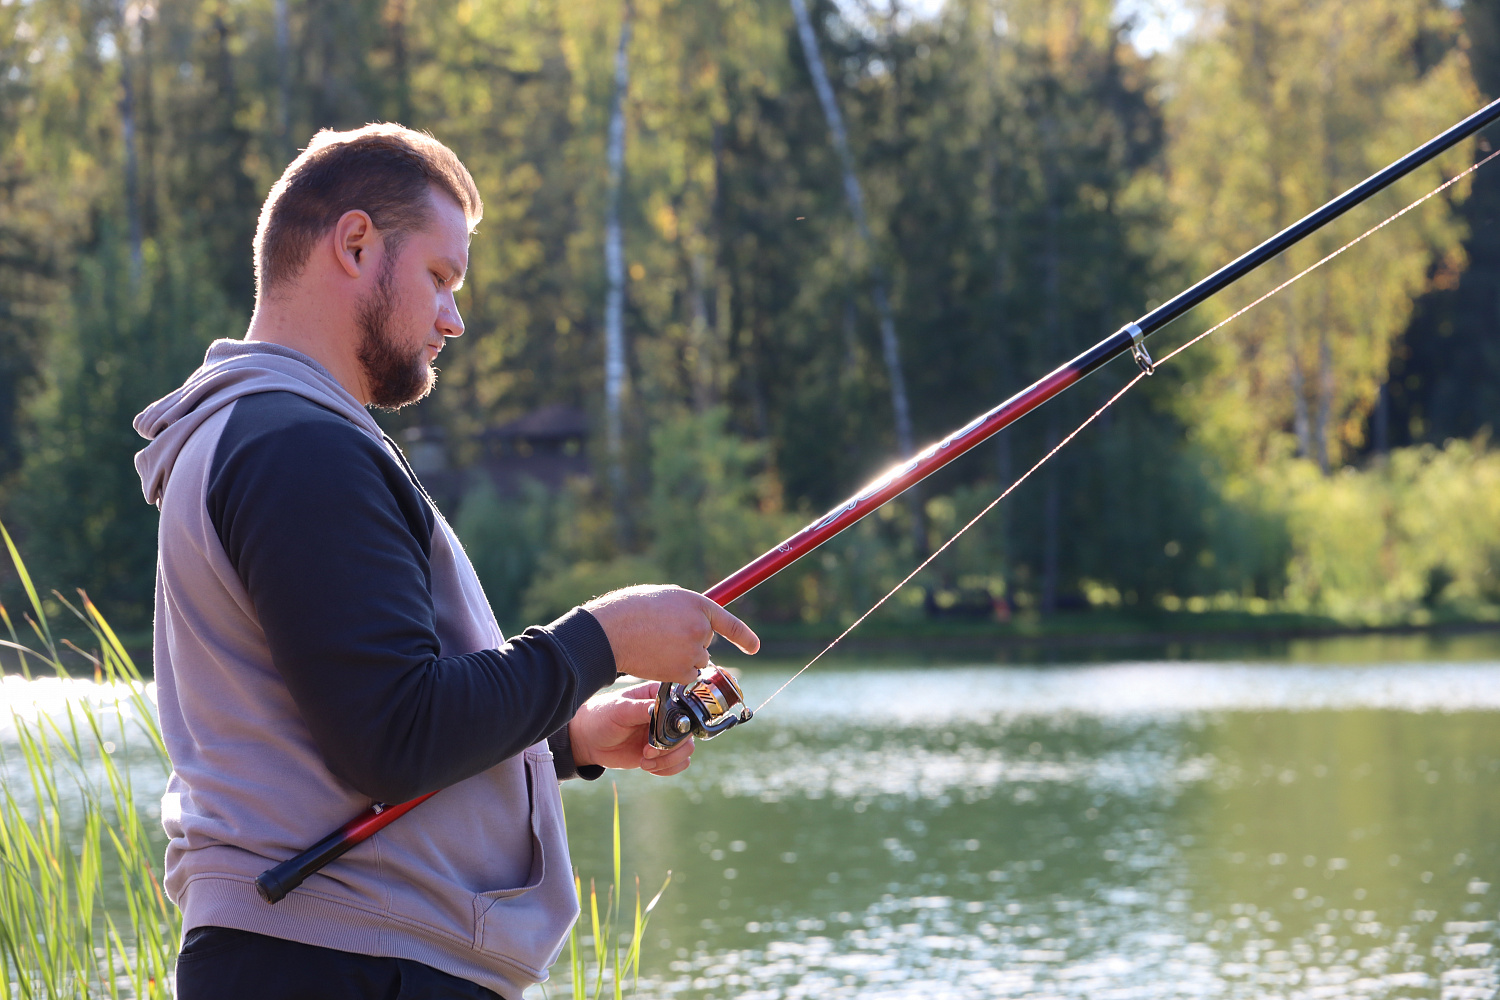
(31, 594)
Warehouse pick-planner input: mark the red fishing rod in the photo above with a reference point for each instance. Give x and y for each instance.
(703, 708)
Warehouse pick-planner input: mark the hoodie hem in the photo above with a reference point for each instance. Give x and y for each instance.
(223, 899)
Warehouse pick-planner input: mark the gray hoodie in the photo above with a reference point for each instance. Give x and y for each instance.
(322, 642)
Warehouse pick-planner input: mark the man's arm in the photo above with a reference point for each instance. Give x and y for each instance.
(332, 542)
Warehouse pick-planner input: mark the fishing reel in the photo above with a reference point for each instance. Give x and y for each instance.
(700, 709)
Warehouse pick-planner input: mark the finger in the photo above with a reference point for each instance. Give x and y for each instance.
(731, 627)
(674, 770)
(630, 713)
(700, 662)
(671, 763)
(644, 691)
(666, 761)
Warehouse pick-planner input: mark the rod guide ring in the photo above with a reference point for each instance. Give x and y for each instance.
(1138, 349)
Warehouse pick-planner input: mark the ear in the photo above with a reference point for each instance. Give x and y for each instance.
(354, 238)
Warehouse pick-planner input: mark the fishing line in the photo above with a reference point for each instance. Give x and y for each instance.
(1110, 402)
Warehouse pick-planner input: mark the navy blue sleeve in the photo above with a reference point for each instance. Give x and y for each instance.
(332, 540)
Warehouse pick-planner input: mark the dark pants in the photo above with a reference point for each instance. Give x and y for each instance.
(221, 964)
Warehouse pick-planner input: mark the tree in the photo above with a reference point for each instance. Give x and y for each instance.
(1291, 104)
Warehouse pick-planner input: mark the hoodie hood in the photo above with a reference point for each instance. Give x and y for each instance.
(231, 369)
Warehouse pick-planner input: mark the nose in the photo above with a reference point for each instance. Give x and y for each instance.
(449, 322)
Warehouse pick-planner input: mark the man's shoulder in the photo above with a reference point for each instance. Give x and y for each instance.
(286, 426)
(279, 451)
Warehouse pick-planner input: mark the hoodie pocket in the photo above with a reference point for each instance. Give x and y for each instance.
(527, 925)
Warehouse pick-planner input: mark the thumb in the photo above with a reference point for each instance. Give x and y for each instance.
(629, 713)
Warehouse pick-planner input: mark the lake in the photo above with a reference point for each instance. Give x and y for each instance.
(1301, 827)
(1316, 821)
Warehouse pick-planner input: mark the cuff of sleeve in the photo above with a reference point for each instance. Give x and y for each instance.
(587, 645)
(561, 745)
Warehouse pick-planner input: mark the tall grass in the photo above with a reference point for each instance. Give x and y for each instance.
(611, 965)
(82, 913)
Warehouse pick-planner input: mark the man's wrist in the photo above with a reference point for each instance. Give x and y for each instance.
(563, 759)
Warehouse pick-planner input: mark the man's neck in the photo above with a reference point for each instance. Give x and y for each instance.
(293, 322)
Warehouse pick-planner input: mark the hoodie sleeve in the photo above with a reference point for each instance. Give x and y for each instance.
(332, 540)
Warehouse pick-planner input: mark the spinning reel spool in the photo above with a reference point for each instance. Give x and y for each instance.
(700, 709)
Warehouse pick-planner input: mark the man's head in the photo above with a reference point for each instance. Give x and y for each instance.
(376, 220)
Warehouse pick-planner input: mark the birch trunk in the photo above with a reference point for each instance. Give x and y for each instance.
(614, 273)
(889, 346)
(128, 136)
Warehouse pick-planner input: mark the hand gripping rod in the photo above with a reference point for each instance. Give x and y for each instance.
(275, 883)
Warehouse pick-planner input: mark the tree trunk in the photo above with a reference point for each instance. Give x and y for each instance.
(284, 80)
(851, 342)
(889, 346)
(700, 334)
(890, 349)
(614, 273)
(1301, 420)
(1322, 450)
(128, 135)
(1052, 324)
(1051, 521)
(1004, 466)
(149, 132)
(395, 18)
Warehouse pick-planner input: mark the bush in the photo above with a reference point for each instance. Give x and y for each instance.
(505, 539)
(1418, 532)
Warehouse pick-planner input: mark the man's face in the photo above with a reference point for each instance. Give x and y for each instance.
(406, 318)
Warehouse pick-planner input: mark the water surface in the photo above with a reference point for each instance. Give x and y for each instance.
(1321, 824)
(1145, 830)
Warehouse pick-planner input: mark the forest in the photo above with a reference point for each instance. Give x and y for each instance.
(769, 248)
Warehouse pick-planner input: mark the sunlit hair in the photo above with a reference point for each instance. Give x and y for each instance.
(384, 169)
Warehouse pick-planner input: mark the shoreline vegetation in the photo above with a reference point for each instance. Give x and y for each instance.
(1097, 630)
(1073, 634)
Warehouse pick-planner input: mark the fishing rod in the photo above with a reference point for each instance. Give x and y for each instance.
(704, 708)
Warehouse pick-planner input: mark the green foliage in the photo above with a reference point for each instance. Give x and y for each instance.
(81, 911)
(712, 499)
(1407, 537)
(123, 349)
(1032, 181)
(505, 538)
(1295, 102)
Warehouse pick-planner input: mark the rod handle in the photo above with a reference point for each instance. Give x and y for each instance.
(273, 884)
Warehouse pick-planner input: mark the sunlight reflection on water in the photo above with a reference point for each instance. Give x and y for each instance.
(1119, 691)
(1148, 830)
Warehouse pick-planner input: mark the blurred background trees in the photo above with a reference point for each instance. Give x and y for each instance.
(1032, 177)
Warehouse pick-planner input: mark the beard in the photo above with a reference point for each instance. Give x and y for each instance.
(395, 376)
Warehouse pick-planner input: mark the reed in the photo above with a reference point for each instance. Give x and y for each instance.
(82, 913)
(616, 952)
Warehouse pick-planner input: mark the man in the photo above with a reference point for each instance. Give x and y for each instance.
(322, 642)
